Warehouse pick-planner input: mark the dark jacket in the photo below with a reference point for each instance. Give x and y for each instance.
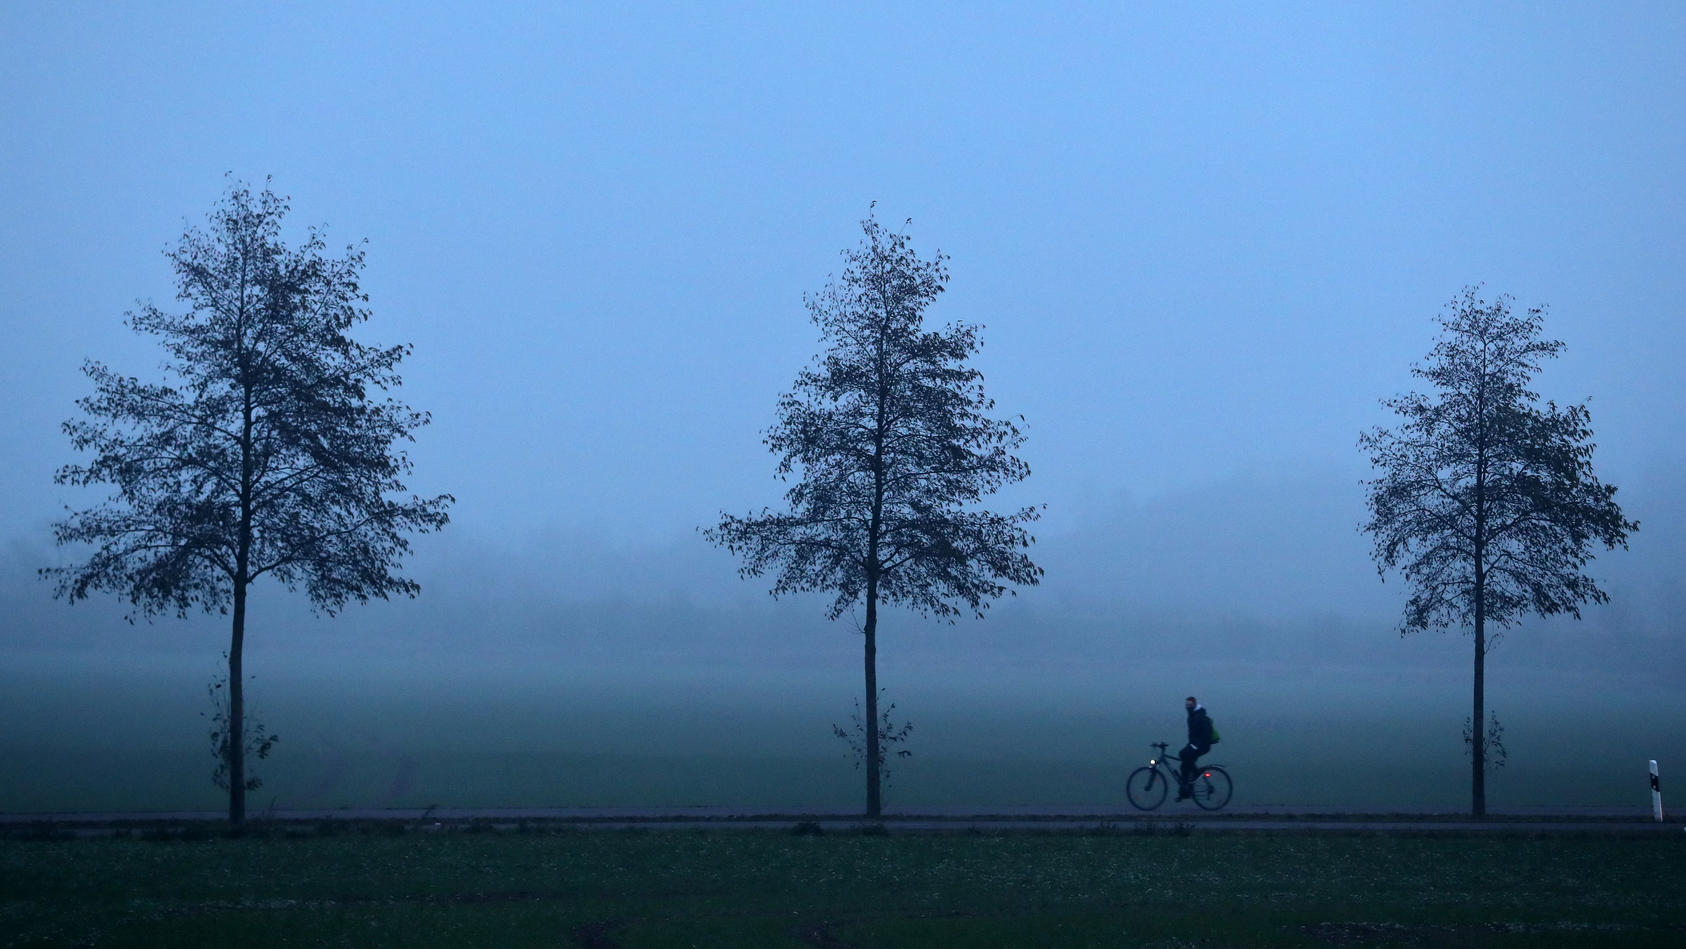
(1200, 729)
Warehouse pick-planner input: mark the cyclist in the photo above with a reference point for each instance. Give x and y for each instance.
(1199, 742)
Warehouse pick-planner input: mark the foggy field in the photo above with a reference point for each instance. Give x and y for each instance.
(132, 739)
(731, 888)
(501, 687)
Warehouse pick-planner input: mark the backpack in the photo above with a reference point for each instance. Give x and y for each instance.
(1215, 738)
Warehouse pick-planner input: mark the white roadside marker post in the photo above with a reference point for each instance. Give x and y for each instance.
(1656, 793)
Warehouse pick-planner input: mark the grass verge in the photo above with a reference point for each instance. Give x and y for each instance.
(725, 887)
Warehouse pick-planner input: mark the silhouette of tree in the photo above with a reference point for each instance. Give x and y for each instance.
(1487, 503)
(888, 437)
(266, 451)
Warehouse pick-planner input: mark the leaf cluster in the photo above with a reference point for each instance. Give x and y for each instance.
(890, 733)
(255, 738)
(889, 440)
(1492, 745)
(1487, 502)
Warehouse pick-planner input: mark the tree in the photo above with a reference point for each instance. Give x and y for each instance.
(888, 435)
(266, 451)
(1486, 502)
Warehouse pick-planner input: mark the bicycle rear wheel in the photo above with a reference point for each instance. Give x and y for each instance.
(1212, 788)
(1146, 788)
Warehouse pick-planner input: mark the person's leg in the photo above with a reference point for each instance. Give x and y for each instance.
(1189, 756)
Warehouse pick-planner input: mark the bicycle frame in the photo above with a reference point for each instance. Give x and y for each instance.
(1165, 761)
(1210, 789)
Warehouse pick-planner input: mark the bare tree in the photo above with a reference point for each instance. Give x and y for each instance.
(1486, 502)
(268, 449)
(888, 436)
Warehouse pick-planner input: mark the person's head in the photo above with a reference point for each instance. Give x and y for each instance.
(1190, 703)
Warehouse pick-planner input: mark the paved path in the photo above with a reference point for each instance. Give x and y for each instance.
(1171, 818)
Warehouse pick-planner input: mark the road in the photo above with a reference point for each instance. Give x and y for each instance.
(1172, 818)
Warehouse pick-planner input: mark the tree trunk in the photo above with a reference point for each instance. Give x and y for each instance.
(236, 735)
(1478, 733)
(874, 803)
(242, 579)
(1478, 718)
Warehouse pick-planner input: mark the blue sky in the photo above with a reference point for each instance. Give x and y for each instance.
(1204, 241)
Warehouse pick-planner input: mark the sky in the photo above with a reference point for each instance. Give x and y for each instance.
(1203, 242)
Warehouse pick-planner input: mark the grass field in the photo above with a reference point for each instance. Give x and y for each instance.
(727, 887)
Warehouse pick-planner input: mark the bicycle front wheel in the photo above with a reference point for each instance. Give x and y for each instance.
(1146, 788)
(1212, 788)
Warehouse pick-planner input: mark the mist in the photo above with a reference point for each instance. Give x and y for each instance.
(541, 675)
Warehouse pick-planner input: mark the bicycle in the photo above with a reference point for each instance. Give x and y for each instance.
(1148, 784)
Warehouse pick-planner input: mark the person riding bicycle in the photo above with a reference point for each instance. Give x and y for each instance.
(1199, 742)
